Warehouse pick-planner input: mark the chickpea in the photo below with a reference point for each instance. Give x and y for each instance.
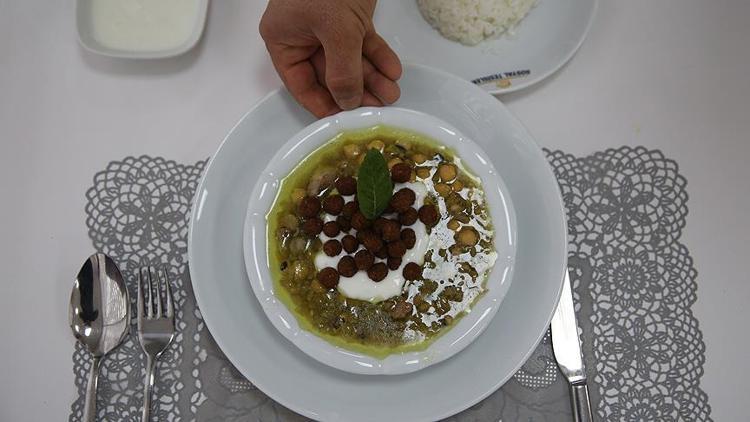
(376, 144)
(321, 179)
(455, 203)
(447, 172)
(315, 245)
(456, 249)
(283, 234)
(289, 221)
(419, 158)
(392, 150)
(454, 225)
(388, 305)
(442, 306)
(423, 172)
(443, 189)
(301, 270)
(352, 151)
(428, 287)
(297, 195)
(297, 245)
(455, 208)
(404, 144)
(457, 186)
(467, 236)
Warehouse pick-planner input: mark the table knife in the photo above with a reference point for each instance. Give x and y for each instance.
(567, 348)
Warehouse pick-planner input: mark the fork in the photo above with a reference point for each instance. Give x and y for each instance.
(156, 327)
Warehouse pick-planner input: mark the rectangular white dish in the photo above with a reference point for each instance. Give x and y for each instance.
(140, 29)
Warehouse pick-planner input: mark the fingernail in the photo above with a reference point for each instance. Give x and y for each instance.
(349, 103)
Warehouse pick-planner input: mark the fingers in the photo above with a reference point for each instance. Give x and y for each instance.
(369, 99)
(304, 87)
(381, 55)
(379, 84)
(306, 75)
(301, 80)
(343, 67)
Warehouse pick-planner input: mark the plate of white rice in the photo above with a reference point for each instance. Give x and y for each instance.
(501, 45)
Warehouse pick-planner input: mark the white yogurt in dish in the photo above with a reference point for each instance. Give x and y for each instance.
(143, 25)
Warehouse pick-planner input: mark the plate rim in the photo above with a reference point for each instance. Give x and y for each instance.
(447, 413)
(554, 69)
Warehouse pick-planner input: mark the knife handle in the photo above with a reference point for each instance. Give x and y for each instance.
(579, 400)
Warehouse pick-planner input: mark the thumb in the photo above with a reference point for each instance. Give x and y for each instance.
(343, 76)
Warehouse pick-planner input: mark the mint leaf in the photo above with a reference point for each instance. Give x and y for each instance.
(374, 185)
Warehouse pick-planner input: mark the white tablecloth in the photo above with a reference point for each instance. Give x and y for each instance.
(671, 75)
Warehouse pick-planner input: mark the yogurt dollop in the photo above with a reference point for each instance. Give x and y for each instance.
(360, 286)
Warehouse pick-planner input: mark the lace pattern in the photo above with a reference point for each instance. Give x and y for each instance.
(633, 283)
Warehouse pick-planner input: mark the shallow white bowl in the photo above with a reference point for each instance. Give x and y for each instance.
(89, 42)
(312, 137)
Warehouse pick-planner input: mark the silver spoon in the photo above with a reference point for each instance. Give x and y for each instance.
(99, 316)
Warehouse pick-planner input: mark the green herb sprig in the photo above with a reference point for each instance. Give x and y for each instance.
(374, 185)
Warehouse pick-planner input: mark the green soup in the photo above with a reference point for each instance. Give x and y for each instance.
(458, 257)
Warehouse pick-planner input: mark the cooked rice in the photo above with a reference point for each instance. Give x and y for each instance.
(472, 21)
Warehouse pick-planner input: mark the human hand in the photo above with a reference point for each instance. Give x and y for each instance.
(328, 54)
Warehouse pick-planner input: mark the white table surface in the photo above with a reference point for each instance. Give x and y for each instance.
(669, 74)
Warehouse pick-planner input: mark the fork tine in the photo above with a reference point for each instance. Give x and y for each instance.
(150, 301)
(140, 293)
(168, 292)
(159, 283)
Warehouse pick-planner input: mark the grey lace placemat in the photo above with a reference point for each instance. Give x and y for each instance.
(633, 281)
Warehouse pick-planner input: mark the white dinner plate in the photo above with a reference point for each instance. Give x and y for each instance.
(540, 45)
(286, 374)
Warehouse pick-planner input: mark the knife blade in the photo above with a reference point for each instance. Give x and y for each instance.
(567, 349)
